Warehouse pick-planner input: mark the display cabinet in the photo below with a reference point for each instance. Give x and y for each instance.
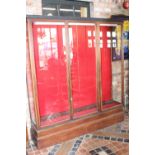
(69, 78)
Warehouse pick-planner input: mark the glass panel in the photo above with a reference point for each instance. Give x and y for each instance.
(66, 10)
(106, 69)
(106, 65)
(29, 85)
(116, 50)
(116, 80)
(77, 10)
(83, 71)
(50, 10)
(51, 73)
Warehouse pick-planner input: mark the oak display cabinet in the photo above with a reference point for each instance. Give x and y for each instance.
(69, 78)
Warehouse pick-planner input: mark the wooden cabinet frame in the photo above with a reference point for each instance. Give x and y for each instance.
(47, 136)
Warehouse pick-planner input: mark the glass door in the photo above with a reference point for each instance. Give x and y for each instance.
(83, 68)
(50, 62)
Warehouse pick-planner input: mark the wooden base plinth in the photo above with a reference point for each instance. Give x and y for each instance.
(48, 136)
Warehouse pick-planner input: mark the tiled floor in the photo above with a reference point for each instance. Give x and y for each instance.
(113, 140)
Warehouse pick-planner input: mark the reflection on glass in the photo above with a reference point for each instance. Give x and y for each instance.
(114, 43)
(49, 10)
(108, 34)
(100, 34)
(89, 43)
(89, 33)
(51, 74)
(113, 34)
(108, 45)
(47, 43)
(70, 42)
(108, 41)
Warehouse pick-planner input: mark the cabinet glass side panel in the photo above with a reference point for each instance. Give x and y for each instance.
(106, 67)
(29, 85)
(50, 61)
(116, 64)
(83, 69)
